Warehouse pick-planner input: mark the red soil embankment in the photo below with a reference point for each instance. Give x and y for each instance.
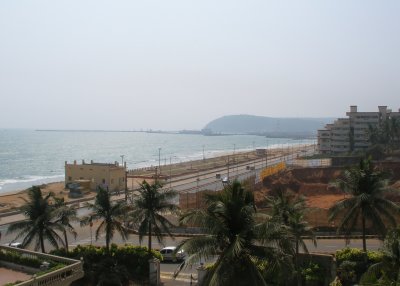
(315, 185)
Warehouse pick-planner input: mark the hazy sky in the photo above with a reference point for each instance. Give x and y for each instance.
(179, 64)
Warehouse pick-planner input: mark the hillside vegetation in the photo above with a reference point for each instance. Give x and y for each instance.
(250, 124)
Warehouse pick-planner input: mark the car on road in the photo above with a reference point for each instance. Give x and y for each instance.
(15, 244)
(169, 254)
(225, 180)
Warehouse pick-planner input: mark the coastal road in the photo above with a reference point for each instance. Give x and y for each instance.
(86, 235)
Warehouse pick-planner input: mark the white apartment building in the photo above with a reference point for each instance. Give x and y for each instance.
(351, 133)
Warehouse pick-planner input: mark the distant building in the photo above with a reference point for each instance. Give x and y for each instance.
(351, 133)
(261, 151)
(105, 175)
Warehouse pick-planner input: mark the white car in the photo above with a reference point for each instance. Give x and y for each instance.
(225, 180)
(15, 244)
(169, 254)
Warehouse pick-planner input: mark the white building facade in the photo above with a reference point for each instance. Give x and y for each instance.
(351, 133)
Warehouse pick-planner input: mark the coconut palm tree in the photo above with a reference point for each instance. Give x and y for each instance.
(65, 215)
(301, 229)
(386, 134)
(386, 271)
(289, 209)
(285, 204)
(40, 222)
(235, 236)
(149, 208)
(111, 215)
(365, 186)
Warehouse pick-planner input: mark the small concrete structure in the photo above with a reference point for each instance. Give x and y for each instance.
(201, 274)
(154, 272)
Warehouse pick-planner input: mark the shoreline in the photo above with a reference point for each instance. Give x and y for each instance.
(12, 200)
(216, 155)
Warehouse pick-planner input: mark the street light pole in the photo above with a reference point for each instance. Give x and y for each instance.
(203, 154)
(159, 160)
(228, 167)
(170, 171)
(266, 156)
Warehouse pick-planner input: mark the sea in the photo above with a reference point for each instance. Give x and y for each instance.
(34, 157)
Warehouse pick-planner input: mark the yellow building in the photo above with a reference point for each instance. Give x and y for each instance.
(108, 176)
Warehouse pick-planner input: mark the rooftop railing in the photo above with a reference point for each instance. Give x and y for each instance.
(72, 271)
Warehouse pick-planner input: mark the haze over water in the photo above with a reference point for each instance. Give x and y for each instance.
(31, 157)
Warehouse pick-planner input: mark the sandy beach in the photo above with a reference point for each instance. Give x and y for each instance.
(13, 200)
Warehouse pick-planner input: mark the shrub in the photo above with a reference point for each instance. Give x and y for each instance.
(313, 274)
(353, 262)
(350, 254)
(130, 260)
(347, 272)
(336, 282)
(374, 256)
(17, 258)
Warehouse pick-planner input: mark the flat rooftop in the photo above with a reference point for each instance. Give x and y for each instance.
(12, 276)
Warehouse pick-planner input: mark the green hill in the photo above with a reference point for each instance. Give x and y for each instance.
(250, 124)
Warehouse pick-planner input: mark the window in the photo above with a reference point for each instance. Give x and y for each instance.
(103, 181)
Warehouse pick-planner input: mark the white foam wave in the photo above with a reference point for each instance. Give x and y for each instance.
(26, 182)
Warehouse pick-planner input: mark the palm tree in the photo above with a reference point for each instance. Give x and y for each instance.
(387, 133)
(65, 216)
(233, 234)
(388, 269)
(289, 210)
(111, 215)
(149, 208)
(285, 204)
(365, 185)
(39, 224)
(300, 229)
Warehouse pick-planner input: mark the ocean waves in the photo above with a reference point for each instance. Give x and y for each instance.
(23, 182)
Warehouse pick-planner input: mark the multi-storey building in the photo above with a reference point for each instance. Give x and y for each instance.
(351, 133)
(109, 176)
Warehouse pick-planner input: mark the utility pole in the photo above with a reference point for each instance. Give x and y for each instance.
(170, 171)
(126, 183)
(266, 156)
(159, 160)
(228, 167)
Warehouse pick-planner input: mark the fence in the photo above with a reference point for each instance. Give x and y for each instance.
(272, 170)
(307, 163)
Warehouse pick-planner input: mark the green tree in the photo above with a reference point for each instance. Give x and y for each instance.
(242, 239)
(386, 134)
(65, 216)
(289, 209)
(149, 210)
(111, 215)
(386, 271)
(39, 224)
(365, 186)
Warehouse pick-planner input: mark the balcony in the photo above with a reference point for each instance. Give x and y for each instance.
(69, 271)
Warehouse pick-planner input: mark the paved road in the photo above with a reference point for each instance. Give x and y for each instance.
(87, 236)
(189, 183)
